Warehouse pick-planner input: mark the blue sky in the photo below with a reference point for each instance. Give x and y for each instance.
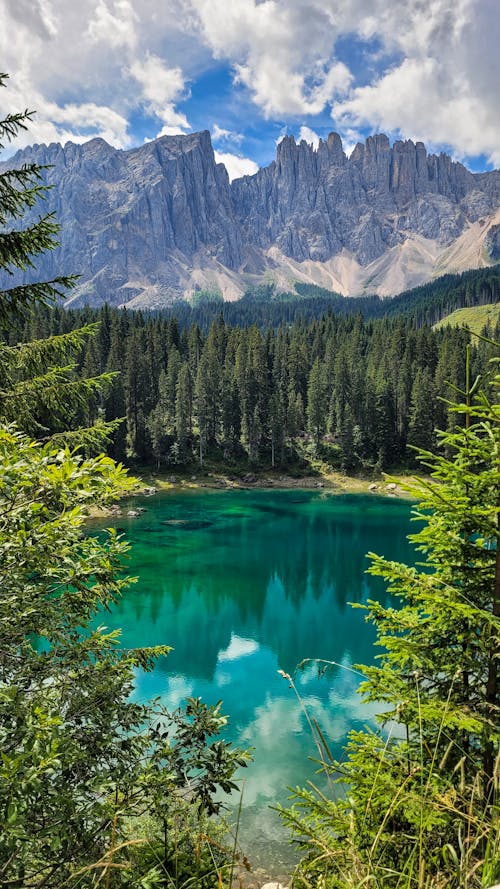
(252, 70)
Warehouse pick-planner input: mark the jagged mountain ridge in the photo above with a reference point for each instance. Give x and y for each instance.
(156, 222)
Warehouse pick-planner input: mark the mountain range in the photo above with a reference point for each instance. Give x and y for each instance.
(147, 226)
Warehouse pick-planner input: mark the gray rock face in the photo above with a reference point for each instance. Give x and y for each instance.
(159, 220)
(493, 242)
(311, 204)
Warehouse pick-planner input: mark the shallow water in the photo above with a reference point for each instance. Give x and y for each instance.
(242, 584)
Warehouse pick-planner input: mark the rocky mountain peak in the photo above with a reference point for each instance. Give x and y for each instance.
(162, 219)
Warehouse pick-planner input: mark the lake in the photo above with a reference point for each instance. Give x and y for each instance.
(243, 583)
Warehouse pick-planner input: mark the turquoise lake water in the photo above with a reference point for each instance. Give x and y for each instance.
(243, 584)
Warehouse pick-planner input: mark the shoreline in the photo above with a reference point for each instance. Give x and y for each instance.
(150, 483)
(333, 481)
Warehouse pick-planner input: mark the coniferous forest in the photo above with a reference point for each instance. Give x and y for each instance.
(359, 393)
(99, 790)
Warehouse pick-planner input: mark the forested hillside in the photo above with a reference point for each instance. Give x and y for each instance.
(101, 790)
(357, 393)
(265, 306)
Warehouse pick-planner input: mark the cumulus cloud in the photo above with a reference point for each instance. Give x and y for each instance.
(114, 24)
(66, 122)
(440, 90)
(309, 136)
(279, 51)
(219, 134)
(90, 67)
(235, 165)
(440, 83)
(161, 88)
(39, 16)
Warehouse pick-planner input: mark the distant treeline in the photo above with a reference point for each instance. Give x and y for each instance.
(266, 307)
(356, 392)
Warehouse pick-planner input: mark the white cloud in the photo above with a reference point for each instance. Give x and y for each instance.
(179, 130)
(87, 119)
(161, 88)
(280, 51)
(442, 91)
(235, 165)
(68, 122)
(219, 134)
(39, 16)
(440, 84)
(160, 85)
(48, 18)
(73, 63)
(309, 136)
(431, 72)
(114, 23)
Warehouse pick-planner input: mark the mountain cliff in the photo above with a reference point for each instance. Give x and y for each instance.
(145, 226)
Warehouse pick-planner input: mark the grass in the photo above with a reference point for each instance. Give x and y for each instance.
(340, 852)
(474, 317)
(217, 475)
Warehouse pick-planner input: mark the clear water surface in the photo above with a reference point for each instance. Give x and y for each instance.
(248, 582)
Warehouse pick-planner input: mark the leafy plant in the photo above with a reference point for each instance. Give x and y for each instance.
(81, 764)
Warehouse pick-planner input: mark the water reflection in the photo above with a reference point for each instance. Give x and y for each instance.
(243, 584)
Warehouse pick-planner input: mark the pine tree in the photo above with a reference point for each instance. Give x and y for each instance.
(316, 403)
(276, 427)
(203, 411)
(184, 412)
(135, 382)
(39, 387)
(20, 189)
(79, 759)
(421, 421)
(423, 806)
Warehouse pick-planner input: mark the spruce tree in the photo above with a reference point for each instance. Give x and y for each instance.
(39, 385)
(422, 801)
(316, 403)
(183, 413)
(20, 190)
(79, 761)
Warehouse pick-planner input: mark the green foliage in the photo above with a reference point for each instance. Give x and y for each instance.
(63, 692)
(19, 191)
(81, 765)
(312, 290)
(476, 318)
(80, 761)
(41, 387)
(206, 298)
(364, 392)
(421, 798)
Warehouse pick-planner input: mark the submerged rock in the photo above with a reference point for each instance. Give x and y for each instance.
(188, 524)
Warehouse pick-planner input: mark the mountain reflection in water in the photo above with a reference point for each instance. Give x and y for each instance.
(242, 584)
